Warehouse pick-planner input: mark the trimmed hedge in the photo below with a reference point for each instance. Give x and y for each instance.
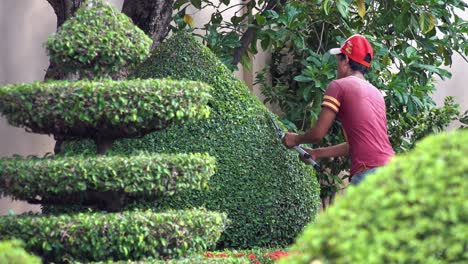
(103, 109)
(267, 192)
(116, 236)
(12, 252)
(415, 210)
(97, 40)
(70, 180)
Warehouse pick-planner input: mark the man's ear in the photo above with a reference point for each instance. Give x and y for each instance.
(346, 59)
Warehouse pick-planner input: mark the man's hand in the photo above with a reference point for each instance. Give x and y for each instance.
(290, 140)
(312, 153)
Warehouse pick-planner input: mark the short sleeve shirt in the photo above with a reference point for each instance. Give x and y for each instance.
(361, 109)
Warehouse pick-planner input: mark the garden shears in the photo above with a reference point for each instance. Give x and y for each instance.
(299, 149)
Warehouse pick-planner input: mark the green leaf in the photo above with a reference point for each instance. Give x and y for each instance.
(196, 3)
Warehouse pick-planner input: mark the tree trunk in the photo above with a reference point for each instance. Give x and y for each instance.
(152, 16)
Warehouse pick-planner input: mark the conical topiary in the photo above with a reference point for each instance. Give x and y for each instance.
(267, 192)
(103, 185)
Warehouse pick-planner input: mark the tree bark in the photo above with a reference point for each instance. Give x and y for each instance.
(152, 16)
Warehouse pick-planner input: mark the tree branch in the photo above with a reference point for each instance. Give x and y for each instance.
(249, 34)
(151, 16)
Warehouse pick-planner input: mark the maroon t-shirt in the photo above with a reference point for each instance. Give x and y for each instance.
(361, 109)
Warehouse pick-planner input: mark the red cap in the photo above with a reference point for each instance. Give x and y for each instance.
(356, 48)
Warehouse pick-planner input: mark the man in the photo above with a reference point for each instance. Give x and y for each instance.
(361, 109)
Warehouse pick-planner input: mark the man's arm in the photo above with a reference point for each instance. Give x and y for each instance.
(327, 152)
(333, 151)
(314, 134)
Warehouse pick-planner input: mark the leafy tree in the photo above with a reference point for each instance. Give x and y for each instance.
(411, 40)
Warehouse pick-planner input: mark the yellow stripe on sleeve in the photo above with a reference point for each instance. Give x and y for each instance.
(333, 99)
(332, 106)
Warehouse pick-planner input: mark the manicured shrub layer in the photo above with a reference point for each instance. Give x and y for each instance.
(12, 252)
(68, 180)
(97, 40)
(103, 109)
(116, 236)
(268, 193)
(415, 210)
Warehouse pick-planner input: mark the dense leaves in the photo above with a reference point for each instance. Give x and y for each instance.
(116, 236)
(415, 210)
(12, 252)
(97, 41)
(266, 191)
(80, 179)
(408, 55)
(105, 109)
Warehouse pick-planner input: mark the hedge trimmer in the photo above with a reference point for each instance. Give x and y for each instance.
(299, 149)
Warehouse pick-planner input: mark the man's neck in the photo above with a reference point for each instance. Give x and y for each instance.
(357, 74)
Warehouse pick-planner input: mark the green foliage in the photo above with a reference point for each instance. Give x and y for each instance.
(97, 41)
(415, 210)
(12, 252)
(266, 191)
(107, 108)
(117, 236)
(408, 54)
(69, 179)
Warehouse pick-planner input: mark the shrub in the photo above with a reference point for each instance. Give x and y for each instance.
(267, 192)
(415, 210)
(12, 252)
(97, 40)
(80, 179)
(108, 109)
(118, 236)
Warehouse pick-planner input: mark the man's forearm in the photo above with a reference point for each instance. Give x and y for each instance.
(333, 151)
(311, 136)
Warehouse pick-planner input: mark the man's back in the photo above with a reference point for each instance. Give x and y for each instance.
(361, 109)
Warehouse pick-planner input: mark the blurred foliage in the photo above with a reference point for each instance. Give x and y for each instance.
(412, 211)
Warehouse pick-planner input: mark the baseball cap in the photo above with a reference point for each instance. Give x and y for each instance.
(356, 48)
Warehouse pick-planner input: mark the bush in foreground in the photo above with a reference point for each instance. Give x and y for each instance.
(415, 210)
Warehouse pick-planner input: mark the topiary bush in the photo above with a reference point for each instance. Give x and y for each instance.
(103, 109)
(117, 236)
(267, 192)
(97, 41)
(91, 180)
(415, 210)
(12, 252)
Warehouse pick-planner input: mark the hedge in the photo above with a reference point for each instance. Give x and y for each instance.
(97, 40)
(12, 252)
(72, 180)
(268, 193)
(103, 109)
(116, 236)
(415, 210)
